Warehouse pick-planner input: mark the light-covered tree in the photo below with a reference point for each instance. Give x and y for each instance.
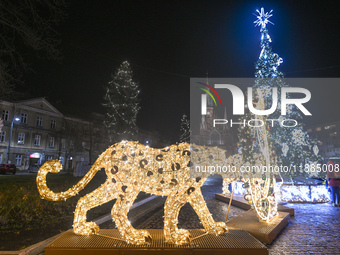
(289, 145)
(184, 130)
(122, 104)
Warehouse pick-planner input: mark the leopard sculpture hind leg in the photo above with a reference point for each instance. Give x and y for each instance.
(105, 193)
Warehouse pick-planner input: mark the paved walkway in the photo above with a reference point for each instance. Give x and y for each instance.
(314, 229)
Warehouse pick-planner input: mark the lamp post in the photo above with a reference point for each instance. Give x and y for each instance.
(10, 138)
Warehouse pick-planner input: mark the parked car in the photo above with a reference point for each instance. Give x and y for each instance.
(10, 168)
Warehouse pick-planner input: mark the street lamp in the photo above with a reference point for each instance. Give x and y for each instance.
(10, 138)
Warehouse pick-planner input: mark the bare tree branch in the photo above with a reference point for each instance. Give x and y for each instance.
(27, 26)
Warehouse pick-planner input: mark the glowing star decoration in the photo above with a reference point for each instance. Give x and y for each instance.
(285, 149)
(263, 18)
(316, 149)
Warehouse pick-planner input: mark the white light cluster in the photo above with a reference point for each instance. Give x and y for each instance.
(291, 193)
(305, 193)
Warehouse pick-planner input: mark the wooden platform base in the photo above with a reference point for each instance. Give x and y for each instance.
(264, 232)
(240, 202)
(234, 242)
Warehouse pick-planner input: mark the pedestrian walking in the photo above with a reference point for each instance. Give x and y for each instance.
(333, 178)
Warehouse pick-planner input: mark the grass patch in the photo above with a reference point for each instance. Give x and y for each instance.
(25, 218)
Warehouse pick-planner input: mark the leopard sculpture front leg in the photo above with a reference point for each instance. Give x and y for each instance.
(173, 205)
(197, 202)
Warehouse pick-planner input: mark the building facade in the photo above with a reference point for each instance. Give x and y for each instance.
(328, 138)
(220, 136)
(35, 131)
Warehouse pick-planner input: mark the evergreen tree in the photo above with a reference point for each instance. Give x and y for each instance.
(122, 104)
(184, 130)
(289, 145)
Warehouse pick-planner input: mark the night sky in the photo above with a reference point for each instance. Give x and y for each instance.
(167, 42)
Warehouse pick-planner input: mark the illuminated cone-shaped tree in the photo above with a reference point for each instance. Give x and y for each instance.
(184, 130)
(122, 104)
(289, 145)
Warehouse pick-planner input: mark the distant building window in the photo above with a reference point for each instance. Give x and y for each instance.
(51, 143)
(63, 143)
(73, 127)
(84, 132)
(21, 138)
(5, 115)
(37, 140)
(24, 118)
(49, 157)
(53, 123)
(329, 127)
(39, 121)
(83, 144)
(0, 157)
(215, 138)
(318, 129)
(18, 160)
(61, 159)
(2, 136)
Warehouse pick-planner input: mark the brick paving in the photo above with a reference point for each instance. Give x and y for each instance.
(315, 228)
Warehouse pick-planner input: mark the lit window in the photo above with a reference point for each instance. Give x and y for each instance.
(61, 159)
(318, 129)
(53, 123)
(24, 118)
(18, 160)
(37, 140)
(51, 143)
(2, 136)
(39, 121)
(21, 138)
(5, 115)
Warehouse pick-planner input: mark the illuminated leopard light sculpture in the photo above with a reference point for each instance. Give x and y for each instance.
(132, 167)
